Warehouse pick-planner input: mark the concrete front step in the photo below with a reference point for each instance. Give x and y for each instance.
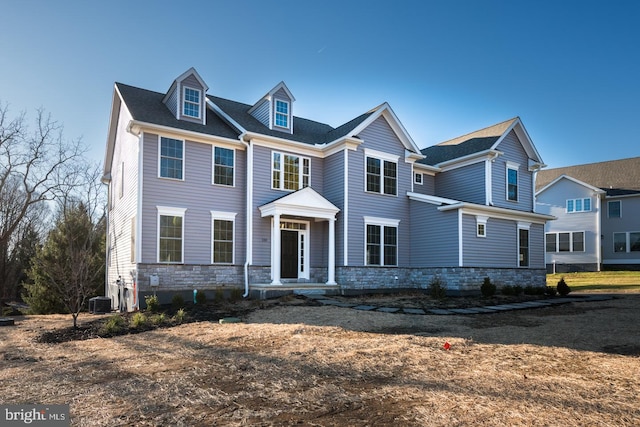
(311, 290)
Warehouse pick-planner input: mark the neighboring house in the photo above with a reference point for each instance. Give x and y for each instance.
(598, 211)
(209, 193)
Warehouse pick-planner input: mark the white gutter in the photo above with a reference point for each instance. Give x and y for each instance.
(249, 218)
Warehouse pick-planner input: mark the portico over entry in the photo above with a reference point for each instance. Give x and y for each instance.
(290, 243)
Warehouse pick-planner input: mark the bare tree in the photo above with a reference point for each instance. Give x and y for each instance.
(36, 166)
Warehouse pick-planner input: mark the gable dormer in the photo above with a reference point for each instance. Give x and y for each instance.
(275, 109)
(187, 96)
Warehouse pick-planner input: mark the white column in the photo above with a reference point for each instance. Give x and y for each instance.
(331, 267)
(276, 254)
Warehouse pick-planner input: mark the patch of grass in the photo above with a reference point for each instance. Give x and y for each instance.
(602, 281)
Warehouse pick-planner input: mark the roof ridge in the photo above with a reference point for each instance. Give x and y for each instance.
(478, 130)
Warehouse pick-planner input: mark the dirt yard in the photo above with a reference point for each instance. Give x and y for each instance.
(292, 364)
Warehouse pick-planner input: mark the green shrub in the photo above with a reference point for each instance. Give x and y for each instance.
(158, 319)
(550, 291)
(218, 295)
(488, 289)
(517, 290)
(534, 290)
(138, 320)
(201, 297)
(180, 316)
(437, 288)
(153, 304)
(114, 324)
(177, 301)
(562, 288)
(507, 290)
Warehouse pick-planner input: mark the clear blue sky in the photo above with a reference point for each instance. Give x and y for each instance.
(569, 69)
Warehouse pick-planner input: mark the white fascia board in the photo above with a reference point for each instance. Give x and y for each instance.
(499, 213)
(224, 116)
(523, 137)
(622, 196)
(434, 200)
(469, 160)
(116, 107)
(340, 145)
(136, 127)
(570, 178)
(428, 169)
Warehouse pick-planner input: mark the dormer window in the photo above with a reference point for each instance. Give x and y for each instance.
(282, 114)
(191, 103)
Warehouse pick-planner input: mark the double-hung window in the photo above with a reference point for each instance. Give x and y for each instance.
(512, 181)
(191, 103)
(222, 224)
(614, 209)
(282, 113)
(289, 172)
(171, 158)
(223, 160)
(381, 241)
(578, 205)
(170, 234)
(381, 173)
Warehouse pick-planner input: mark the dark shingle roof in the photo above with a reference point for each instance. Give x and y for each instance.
(616, 177)
(474, 142)
(146, 106)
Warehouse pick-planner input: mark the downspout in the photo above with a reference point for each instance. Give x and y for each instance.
(249, 218)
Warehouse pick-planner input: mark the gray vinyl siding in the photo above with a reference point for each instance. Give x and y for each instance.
(466, 184)
(434, 236)
(498, 249)
(122, 209)
(172, 101)
(334, 192)
(428, 186)
(536, 246)
(629, 222)
(261, 113)
(192, 83)
(513, 152)
(380, 137)
(197, 195)
(553, 202)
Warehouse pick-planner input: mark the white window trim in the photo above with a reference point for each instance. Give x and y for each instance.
(608, 210)
(524, 226)
(582, 199)
(169, 211)
(481, 221)
(516, 167)
(382, 222)
(184, 155)
(184, 101)
(224, 216)
(382, 156)
(213, 166)
(276, 113)
(281, 170)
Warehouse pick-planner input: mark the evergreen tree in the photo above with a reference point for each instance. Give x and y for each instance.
(69, 268)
